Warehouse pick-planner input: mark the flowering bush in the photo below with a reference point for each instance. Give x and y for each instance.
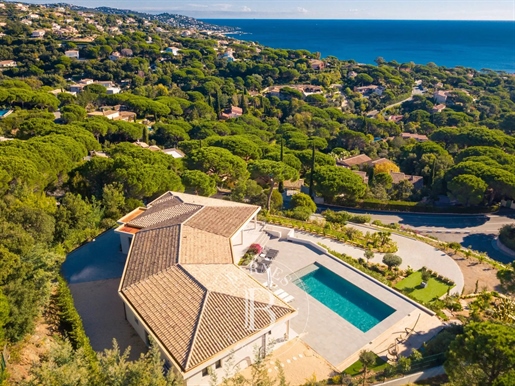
(255, 249)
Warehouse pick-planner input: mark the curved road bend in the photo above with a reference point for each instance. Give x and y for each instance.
(477, 231)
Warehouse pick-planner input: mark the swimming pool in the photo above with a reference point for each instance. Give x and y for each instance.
(356, 306)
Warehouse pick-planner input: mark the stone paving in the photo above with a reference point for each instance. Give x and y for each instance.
(328, 334)
(414, 253)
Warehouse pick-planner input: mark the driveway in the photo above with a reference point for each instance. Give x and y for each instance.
(93, 273)
(475, 231)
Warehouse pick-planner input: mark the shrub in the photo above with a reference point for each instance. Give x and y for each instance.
(336, 217)
(299, 213)
(303, 200)
(392, 260)
(425, 275)
(507, 236)
(360, 218)
(71, 322)
(255, 249)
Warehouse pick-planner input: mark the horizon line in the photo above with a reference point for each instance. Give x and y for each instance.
(353, 19)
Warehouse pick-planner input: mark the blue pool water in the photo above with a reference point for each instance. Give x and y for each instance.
(353, 304)
(3, 112)
(97, 260)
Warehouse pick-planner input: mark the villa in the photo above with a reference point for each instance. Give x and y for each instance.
(7, 63)
(182, 288)
(357, 160)
(72, 54)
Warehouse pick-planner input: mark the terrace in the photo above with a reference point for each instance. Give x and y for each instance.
(330, 335)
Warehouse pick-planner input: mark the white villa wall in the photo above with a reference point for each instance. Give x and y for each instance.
(242, 356)
(136, 323)
(125, 240)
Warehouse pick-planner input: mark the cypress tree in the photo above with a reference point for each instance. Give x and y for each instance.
(144, 136)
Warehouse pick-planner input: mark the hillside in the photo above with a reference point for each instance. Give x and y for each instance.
(103, 110)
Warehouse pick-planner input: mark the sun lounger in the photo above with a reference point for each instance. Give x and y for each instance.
(283, 295)
(288, 299)
(278, 292)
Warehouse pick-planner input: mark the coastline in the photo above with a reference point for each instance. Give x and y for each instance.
(460, 43)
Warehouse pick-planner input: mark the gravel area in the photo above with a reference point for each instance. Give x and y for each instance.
(102, 313)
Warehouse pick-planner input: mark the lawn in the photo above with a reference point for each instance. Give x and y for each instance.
(356, 368)
(434, 289)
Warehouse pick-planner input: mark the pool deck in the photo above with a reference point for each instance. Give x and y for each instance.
(328, 334)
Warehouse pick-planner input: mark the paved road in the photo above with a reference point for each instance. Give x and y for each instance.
(476, 231)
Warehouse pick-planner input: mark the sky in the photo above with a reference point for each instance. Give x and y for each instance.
(318, 9)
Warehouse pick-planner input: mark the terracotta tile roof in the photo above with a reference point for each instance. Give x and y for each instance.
(201, 247)
(181, 281)
(152, 251)
(225, 322)
(170, 303)
(356, 160)
(223, 221)
(166, 212)
(209, 311)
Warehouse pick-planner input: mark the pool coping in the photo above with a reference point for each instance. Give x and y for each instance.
(296, 240)
(299, 274)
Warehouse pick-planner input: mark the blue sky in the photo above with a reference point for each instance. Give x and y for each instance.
(320, 9)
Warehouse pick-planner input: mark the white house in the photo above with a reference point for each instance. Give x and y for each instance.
(440, 96)
(7, 63)
(39, 33)
(72, 54)
(182, 288)
(115, 56)
(113, 90)
(174, 152)
(172, 50)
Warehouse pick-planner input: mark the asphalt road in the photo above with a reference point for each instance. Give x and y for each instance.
(475, 231)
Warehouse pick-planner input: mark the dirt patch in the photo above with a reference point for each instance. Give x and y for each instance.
(24, 355)
(475, 272)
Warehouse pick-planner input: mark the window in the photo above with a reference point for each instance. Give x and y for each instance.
(136, 320)
(218, 364)
(205, 372)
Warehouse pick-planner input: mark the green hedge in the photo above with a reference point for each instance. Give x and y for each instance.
(408, 206)
(71, 322)
(507, 236)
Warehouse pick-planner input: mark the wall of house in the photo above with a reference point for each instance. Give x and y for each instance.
(243, 356)
(125, 241)
(135, 323)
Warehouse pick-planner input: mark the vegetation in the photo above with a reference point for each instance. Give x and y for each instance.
(507, 236)
(373, 363)
(434, 289)
(63, 181)
(483, 355)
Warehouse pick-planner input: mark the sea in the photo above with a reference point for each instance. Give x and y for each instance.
(475, 44)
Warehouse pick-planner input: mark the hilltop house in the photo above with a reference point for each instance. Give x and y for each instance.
(39, 33)
(115, 56)
(316, 64)
(417, 181)
(369, 90)
(440, 96)
(416, 137)
(72, 54)
(357, 160)
(231, 112)
(172, 50)
(7, 63)
(182, 288)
